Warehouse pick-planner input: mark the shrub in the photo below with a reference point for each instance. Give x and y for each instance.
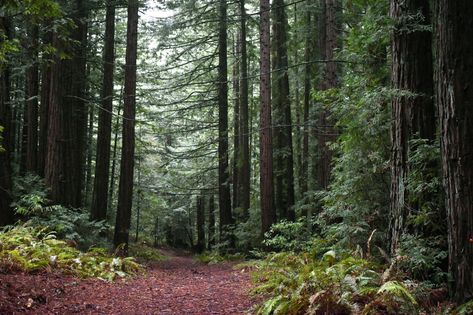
(31, 249)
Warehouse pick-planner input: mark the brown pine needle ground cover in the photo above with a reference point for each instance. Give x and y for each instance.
(178, 285)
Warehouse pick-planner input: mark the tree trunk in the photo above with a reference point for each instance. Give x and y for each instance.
(244, 180)
(307, 89)
(283, 150)
(125, 190)
(102, 166)
(236, 127)
(76, 110)
(200, 222)
(268, 215)
(6, 211)
(211, 237)
(67, 119)
(412, 116)
(54, 169)
(44, 107)
(455, 98)
(224, 198)
(326, 130)
(32, 84)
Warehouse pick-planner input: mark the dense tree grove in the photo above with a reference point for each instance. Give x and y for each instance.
(305, 126)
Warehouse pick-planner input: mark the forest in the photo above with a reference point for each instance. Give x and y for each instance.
(236, 157)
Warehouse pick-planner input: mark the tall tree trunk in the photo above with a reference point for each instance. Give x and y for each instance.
(268, 215)
(283, 150)
(236, 126)
(200, 222)
(102, 166)
(244, 180)
(455, 98)
(326, 130)
(297, 111)
(67, 119)
(307, 89)
(224, 198)
(412, 116)
(125, 190)
(32, 90)
(6, 211)
(44, 107)
(54, 170)
(211, 237)
(77, 110)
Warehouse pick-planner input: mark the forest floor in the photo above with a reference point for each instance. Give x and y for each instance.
(178, 285)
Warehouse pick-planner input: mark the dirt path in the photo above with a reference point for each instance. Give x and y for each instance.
(176, 286)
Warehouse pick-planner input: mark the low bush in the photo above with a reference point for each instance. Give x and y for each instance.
(335, 282)
(145, 253)
(214, 257)
(29, 249)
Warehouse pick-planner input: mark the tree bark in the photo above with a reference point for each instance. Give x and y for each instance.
(328, 43)
(236, 127)
(412, 116)
(32, 90)
(6, 211)
(307, 89)
(455, 97)
(283, 149)
(211, 236)
(54, 169)
(76, 110)
(224, 198)
(125, 190)
(268, 215)
(64, 166)
(200, 222)
(244, 179)
(44, 107)
(102, 166)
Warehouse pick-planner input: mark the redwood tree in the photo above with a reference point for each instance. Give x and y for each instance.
(455, 97)
(125, 190)
(102, 166)
(6, 211)
(283, 149)
(329, 30)
(224, 199)
(268, 215)
(32, 83)
(244, 174)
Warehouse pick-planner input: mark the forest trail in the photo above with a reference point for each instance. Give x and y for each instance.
(178, 285)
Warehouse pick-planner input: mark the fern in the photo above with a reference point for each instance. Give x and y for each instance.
(29, 249)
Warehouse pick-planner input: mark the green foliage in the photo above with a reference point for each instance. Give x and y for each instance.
(358, 198)
(296, 284)
(214, 257)
(30, 249)
(424, 184)
(31, 203)
(288, 236)
(145, 253)
(464, 309)
(424, 258)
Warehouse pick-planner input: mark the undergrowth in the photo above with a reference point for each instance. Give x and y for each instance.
(24, 248)
(145, 253)
(214, 257)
